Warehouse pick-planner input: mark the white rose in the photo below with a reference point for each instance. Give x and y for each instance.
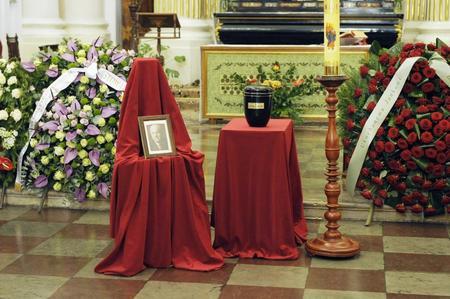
(33, 142)
(113, 151)
(91, 194)
(104, 88)
(8, 142)
(81, 53)
(82, 154)
(12, 80)
(100, 139)
(86, 162)
(83, 142)
(71, 144)
(84, 121)
(57, 186)
(109, 137)
(81, 60)
(101, 122)
(59, 175)
(49, 114)
(2, 79)
(16, 93)
(16, 115)
(104, 168)
(73, 122)
(3, 115)
(87, 108)
(89, 176)
(84, 79)
(70, 99)
(96, 101)
(37, 62)
(59, 151)
(60, 135)
(1, 92)
(45, 160)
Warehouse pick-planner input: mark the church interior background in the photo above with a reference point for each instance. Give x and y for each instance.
(52, 253)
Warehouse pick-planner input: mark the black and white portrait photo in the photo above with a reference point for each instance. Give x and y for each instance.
(156, 135)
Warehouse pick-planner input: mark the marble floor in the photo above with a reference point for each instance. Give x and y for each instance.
(53, 254)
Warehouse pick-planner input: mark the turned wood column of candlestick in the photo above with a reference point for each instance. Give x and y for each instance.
(332, 243)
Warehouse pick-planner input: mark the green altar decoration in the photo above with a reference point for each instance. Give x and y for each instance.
(222, 98)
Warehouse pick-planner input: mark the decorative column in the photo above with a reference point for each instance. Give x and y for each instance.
(41, 25)
(85, 19)
(426, 20)
(196, 29)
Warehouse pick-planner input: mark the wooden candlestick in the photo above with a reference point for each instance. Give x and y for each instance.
(332, 243)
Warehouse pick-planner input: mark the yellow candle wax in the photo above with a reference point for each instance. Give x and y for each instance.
(331, 37)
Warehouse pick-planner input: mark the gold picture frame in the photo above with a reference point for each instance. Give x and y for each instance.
(157, 136)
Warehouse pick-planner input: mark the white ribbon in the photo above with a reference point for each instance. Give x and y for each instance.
(382, 109)
(53, 90)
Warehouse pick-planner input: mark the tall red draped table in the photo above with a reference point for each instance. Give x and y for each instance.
(257, 201)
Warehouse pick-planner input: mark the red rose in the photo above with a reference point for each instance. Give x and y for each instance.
(393, 60)
(391, 71)
(393, 164)
(380, 132)
(371, 106)
(402, 169)
(411, 165)
(437, 100)
(445, 200)
(409, 124)
(401, 186)
(431, 47)
(346, 161)
(378, 202)
(357, 93)
(365, 171)
(405, 155)
(346, 142)
(416, 53)
(379, 76)
(428, 87)
(417, 179)
(360, 184)
(429, 72)
(440, 184)
(432, 107)
(422, 101)
(444, 124)
(407, 47)
(386, 82)
(408, 200)
(427, 184)
(366, 194)
(351, 109)
(425, 124)
(384, 58)
(378, 165)
(379, 146)
(378, 181)
(438, 131)
(363, 70)
(393, 133)
(373, 81)
(412, 137)
(399, 120)
(416, 78)
(426, 137)
(422, 109)
(372, 89)
(373, 154)
(350, 124)
(400, 103)
(400, 208)
(362, 122)
(438, 170)
(441, 158)
(436, 116)
(406, 113)
(442, 84)
(408, 87)
(440, 145)
(382, 193)
(429, 211)
(430, 153)
(402, 144)
(447, 139)
(392, 179)
(417, 152)
(420, 45)
(417, 208)
(389, 147)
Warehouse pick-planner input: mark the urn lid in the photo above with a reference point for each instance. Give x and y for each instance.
(258, 89)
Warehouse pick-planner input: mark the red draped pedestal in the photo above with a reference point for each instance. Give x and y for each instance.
(257, 202)
(158, 211)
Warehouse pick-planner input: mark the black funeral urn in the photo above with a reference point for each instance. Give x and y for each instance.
(257, 105)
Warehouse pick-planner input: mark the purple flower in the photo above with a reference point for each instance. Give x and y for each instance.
(97, 42)
(72, 45)
(99, 81)
(103, 189)
(108, 111)
(41, 181)
(80, 194)
(92, 130)
(51, 125)
(71, 136)
(42, 146)
(92, 53)
(91, 92)
(69, 155)
(77, 79)
(118, 57)
(60, 109)
(29, 66)
(45, 57)
(52, 73)
(94, 156)
(68, 57)
(75, 106)
(68, 170)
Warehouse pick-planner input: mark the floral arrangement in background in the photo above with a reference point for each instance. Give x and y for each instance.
(407, 165)
(16, 106)
(73, 148)
(288, 88)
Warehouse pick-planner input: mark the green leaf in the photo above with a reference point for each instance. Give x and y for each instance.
(375, 47)
(396, 49)
(440, 43)
(180, 59)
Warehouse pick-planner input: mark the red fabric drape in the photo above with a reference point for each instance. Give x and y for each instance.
(257, 201)
(158, 211)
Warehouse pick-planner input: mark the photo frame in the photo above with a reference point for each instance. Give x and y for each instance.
(157, 135)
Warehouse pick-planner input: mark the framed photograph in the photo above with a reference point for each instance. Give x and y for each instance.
(156, 136)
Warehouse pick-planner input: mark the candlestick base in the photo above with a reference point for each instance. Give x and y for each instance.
(332, 243)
